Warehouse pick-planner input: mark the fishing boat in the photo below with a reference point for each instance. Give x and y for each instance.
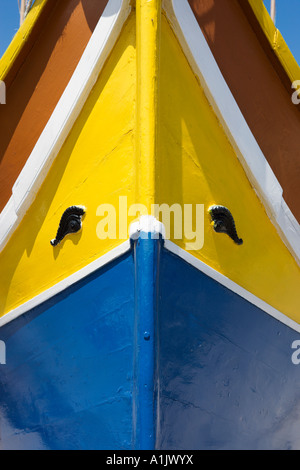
(149, 228)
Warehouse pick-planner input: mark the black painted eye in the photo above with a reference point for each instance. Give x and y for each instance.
(224, 222)
(70, 223)
(219, 226)
(74, 225)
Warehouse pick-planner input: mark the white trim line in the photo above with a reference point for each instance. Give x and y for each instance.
(64, 116)
(65, 283)
(231, 285)
(147, 224)
(256, 166)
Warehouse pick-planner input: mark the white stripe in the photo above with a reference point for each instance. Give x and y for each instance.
(136, 230)
(218, 93)
(226, 282)
(65, 283)
(64, 116)
(145, 224)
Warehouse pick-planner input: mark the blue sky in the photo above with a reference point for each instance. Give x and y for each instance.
(287, 21)
(9, 22)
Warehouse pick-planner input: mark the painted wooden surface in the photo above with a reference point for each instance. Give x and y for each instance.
(194, 164)
(148, 352)
(37, 77)
(95, 166)
(68, 381)
(20, 44)
(259, 84)
(226, 377)
(197, 165)
(274, 37)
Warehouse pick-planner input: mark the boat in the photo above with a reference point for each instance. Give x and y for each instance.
(149, 229)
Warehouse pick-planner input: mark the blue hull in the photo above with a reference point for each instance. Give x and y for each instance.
(148, 352)
(227, 380)
(67, 383)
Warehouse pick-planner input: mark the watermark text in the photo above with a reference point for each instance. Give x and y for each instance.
(296, 354)
(2, 353)
(180, 222)
(2, 92)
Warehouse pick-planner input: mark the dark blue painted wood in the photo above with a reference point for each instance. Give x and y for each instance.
(148, 352)
(68, 379)
(226, 376)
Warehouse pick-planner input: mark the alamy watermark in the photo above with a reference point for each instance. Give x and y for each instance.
(296, 94)
(180, 222)
(2, 92)
(2, 353)
(296, 354)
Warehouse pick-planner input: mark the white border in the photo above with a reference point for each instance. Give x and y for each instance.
(257, 168)
(64, 116)
(231, 285)
(147, 225)
(65, 283)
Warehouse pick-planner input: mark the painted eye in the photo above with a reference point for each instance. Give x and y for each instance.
(219, 226)
(70, 222)
(74, 225)
(224, 222)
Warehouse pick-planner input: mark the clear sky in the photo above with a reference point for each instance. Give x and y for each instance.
(287, 21)
(9, 22)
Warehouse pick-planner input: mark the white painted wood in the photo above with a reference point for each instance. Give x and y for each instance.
(231, 285)
(148, 225)
(65, 283)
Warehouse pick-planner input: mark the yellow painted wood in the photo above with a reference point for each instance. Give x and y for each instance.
(197, 165)
(157, 143)
(95, 166)
(276, 40)
(148, 14)
(20, 38)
